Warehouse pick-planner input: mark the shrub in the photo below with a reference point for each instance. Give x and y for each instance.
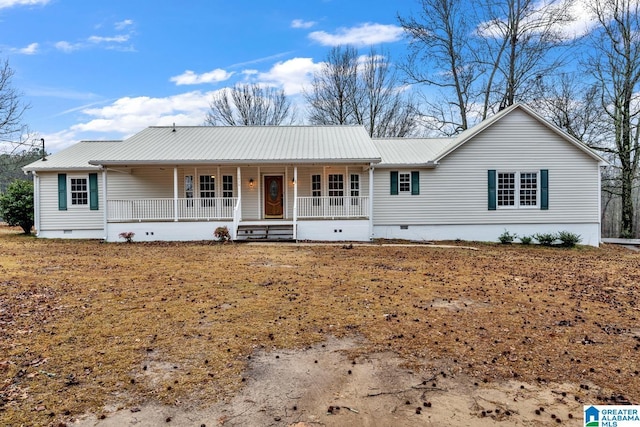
(16, 205)
(222, 234)
(127, 236)
(569, 239)
(546, 239)
(506, 237)
(526, 240)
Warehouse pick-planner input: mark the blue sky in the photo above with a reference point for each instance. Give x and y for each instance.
(97, 69)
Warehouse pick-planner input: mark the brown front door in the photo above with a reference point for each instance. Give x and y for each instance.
(273, 200)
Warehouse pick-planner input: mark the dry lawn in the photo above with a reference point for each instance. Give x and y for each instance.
(82, 323)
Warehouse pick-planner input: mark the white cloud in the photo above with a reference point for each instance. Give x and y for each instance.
(128, 115)
(67, 47)
(362, 35)
(191, 78)
(10, 3)
(123, 24)
(122, 38)
(292, 75)
(299, 23)
(29, 50)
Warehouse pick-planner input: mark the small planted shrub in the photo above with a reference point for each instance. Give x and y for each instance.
(546, 239)
(127, 236)
(222, 234)
(569, 239)
(526, 240)
(506, 237)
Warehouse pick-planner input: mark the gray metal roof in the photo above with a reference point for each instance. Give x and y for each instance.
(75, 157)
(410, 151)
(244, 145)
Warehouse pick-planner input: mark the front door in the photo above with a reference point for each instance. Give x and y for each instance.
(273, 200)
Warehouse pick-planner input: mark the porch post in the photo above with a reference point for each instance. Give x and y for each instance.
(36, 202)
(295, 203)
(104, 204)
(237, 216)
(370, 201)
(175, 193)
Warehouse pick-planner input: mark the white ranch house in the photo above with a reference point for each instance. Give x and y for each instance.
(514, 171)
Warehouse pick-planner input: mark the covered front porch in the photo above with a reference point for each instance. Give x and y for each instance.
(314, 202)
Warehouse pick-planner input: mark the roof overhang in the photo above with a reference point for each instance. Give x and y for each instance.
(231, 162)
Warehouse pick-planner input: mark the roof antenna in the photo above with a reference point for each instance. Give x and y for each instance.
(174, 127)
(44, 153)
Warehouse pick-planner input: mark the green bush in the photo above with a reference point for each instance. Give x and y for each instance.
(16, 205)
(526, 240)
(569, 239)
(506, 237)
(546, 239)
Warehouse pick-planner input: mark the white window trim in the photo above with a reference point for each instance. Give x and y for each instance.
(400, 191)
(70, 204)
(517, 190)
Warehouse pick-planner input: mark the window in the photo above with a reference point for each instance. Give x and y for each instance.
(354, 183)
(405, 183)
(518, 189)
(188, 189)
(227, 188)
(336, 189)
(316, 189)
(82, 191)
(79, 191)
(207, 189)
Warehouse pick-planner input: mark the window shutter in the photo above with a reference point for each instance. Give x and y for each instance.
(544, 189)
(415, 183)
(93, 191)
(491, 176)
(62, 191)
(394, 182)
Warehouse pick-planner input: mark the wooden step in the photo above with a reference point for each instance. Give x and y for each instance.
(265, 232)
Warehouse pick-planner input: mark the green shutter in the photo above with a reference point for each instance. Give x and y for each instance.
(491, 176)
(93, 191)
(394, 183)
(62, 191)
(544, 189)
(415, 183)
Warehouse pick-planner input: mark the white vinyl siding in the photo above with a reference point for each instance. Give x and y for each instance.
(76, 217)
(457, 188)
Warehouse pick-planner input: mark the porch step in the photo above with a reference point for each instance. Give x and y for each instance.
(265, 232)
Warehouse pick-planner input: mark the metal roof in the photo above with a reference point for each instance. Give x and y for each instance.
(75, 157)
(244, 145)
(410, 151)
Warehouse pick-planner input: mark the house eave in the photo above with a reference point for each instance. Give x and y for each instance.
(232, 162)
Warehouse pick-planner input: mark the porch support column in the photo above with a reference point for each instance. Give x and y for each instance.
(175, 193)
(36, 202)
(237, 214)
(105, 206)
(295, 203)
(371, 201)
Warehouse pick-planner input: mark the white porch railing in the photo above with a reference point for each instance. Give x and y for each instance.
(333, 207)
(163, 209)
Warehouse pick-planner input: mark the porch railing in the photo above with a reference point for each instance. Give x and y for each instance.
(163, 209)
(333, 207)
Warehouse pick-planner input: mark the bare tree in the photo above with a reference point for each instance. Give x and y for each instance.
(333, 88)
(250, 105)
(615, 65)
(13, 132)
(350, 89)
(441, 56)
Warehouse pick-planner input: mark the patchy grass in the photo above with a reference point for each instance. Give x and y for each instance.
(84, 324)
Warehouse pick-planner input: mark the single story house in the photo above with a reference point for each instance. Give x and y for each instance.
(515, 171)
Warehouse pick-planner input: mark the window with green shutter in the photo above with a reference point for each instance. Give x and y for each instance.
(405, 183)
(394, 183)
(491, 184)
(415, 183)
(544, 189)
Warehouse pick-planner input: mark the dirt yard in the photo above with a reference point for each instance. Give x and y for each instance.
(194, 334)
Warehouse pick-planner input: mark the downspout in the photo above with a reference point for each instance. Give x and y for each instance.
(371, 201)
(599, 205)
(105, 215)
(36, 202)
(175, 194)
(295, 203)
